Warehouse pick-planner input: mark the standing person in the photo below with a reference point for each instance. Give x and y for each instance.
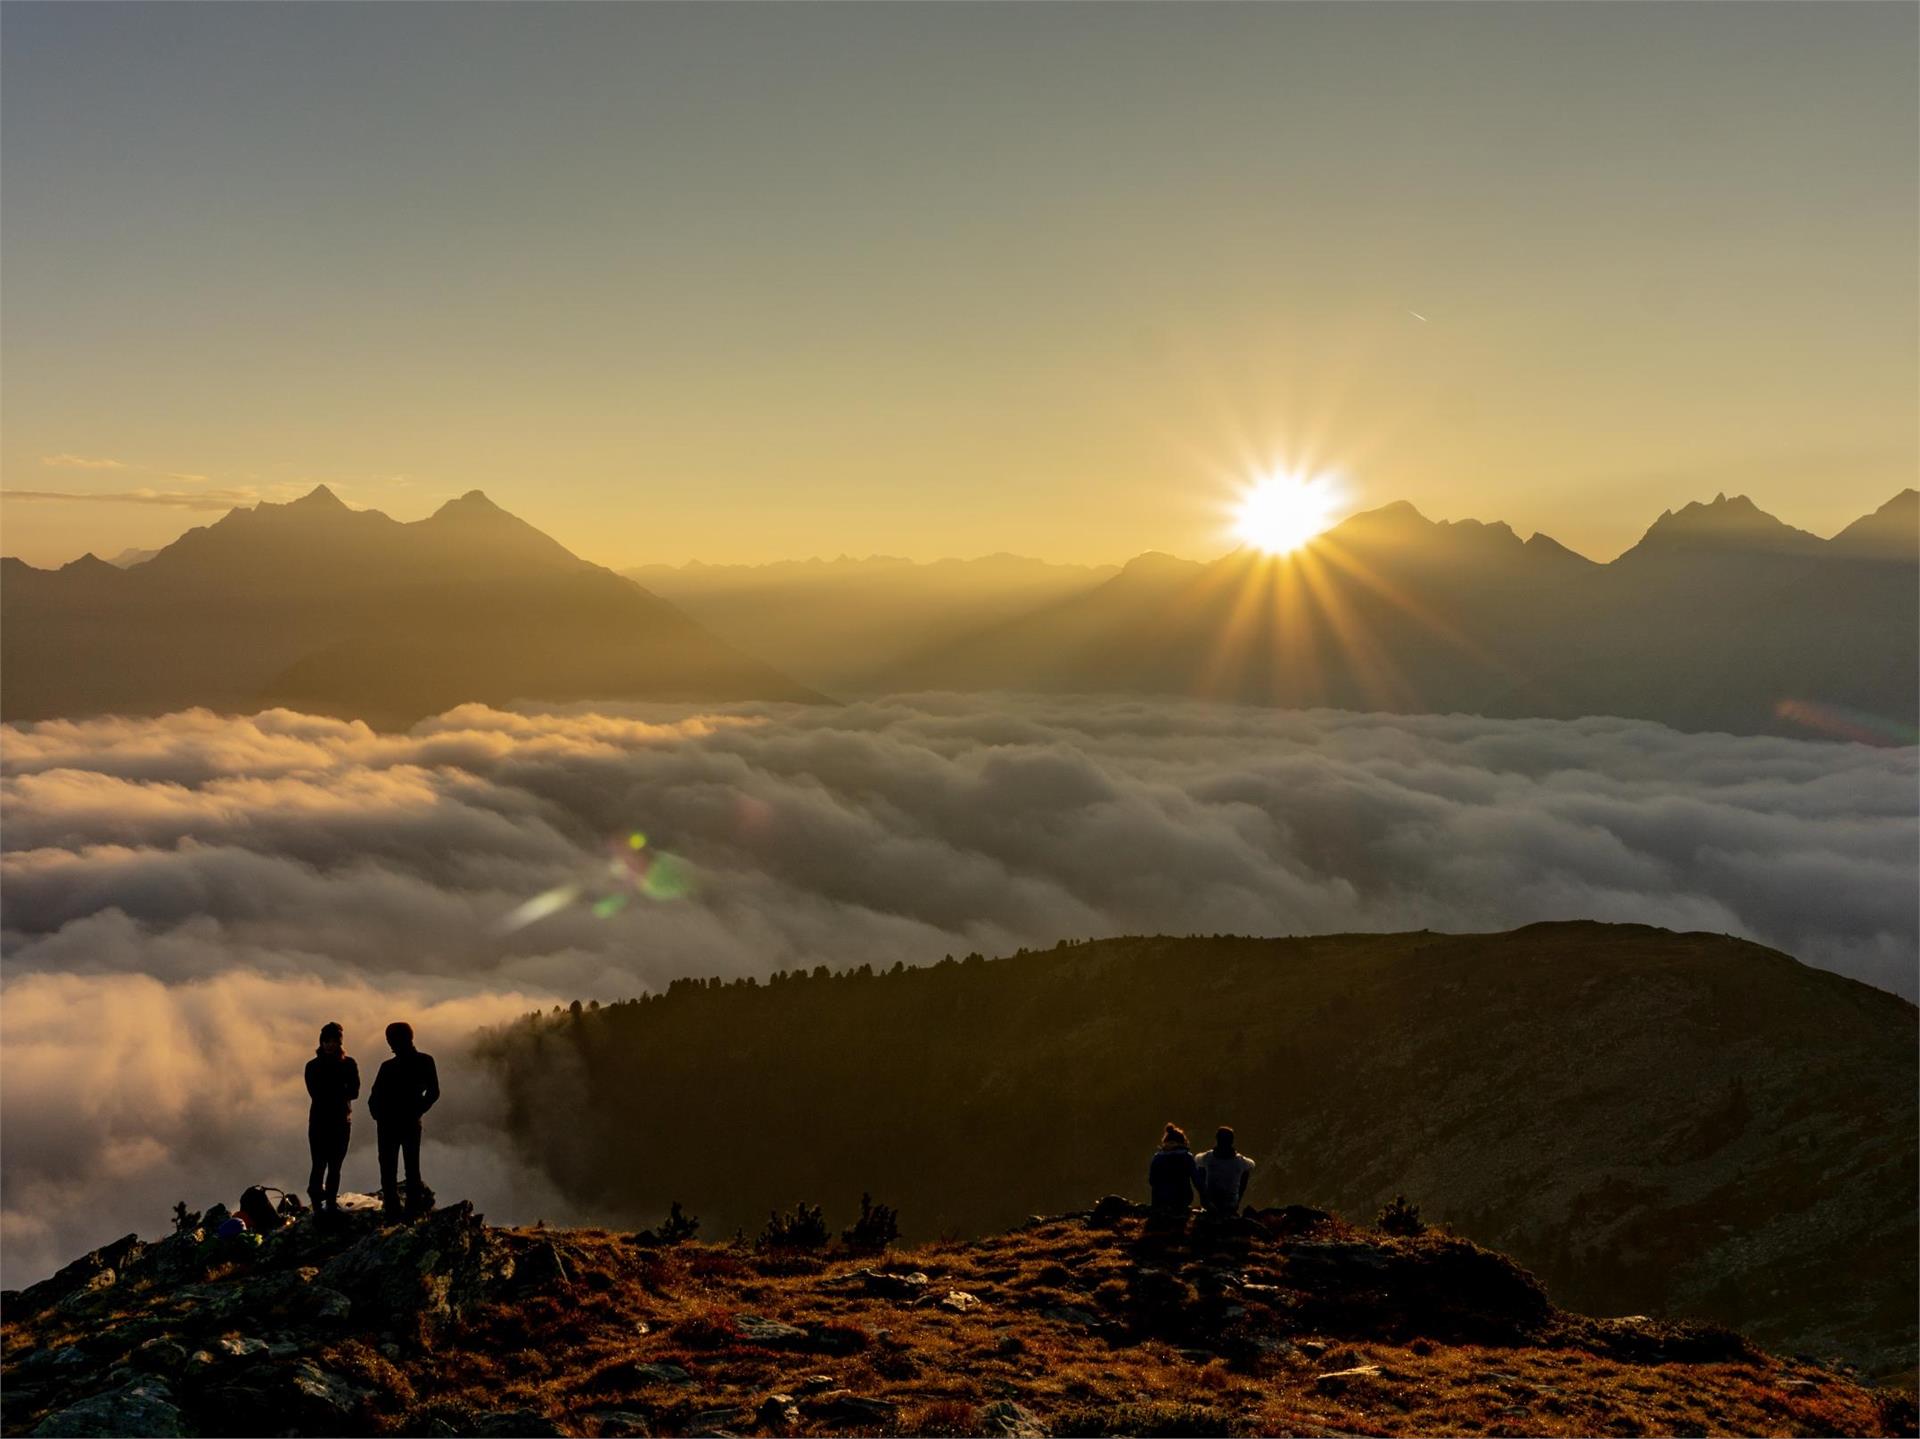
(1170, 1173)
(404, 1089)
(333, 1083)
(1224, 1173)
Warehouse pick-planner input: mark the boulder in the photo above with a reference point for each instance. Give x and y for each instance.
(1112, 1208)
(778, 1411)
(210, 1304)
(542, 1266)
(177, 1259)
(893, 1286)
(843, 1406)
(416, 1277)
(770, 1333)
(269, 1396)
(1009, 1420)
(144, 1406)
(91, 1272)
(42, 1363)
(159, 1356)
(325, 1402)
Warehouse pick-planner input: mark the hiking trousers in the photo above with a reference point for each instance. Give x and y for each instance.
(327, 1141)
(396, 1139)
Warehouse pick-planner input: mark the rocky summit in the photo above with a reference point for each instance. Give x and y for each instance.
(1107, 1321)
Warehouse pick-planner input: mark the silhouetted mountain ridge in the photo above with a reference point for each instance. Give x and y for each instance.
(343, 611)
(833, 623)
(1721, 617)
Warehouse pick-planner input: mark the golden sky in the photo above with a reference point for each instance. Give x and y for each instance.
(752, 282)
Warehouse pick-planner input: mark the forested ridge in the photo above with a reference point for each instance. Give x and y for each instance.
(1654, 1122)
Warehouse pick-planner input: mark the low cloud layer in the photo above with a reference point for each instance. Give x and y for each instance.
(166, 499)
(188, 898)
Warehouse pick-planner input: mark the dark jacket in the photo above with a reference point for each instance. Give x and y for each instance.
(1170, 1177)
(404, 1089)
(332, 1085)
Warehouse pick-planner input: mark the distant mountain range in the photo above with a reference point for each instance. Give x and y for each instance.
(1653, 1123)
(339, 611)
(837, 623)
(1720, 618)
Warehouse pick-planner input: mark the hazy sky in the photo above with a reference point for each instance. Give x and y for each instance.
(752, 281)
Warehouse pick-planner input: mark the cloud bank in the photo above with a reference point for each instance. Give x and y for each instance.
(188, 898)
(169, 499)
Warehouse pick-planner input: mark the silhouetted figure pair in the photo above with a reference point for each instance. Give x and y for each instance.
(404, 1090)
(1220, 1176)
(333, 1083)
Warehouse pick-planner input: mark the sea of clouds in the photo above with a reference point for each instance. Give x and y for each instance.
(187, 899)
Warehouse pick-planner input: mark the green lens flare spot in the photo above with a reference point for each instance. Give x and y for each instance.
(610, 906)
(636, 840)
(667, 878)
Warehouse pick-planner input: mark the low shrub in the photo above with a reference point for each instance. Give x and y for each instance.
(876, 1228)
(804, 1228)
(1401, 1218)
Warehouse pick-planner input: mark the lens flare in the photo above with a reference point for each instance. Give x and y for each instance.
(1282, 512)
(627, 870)
(1848, 724)
(666, 878)
(540, 906)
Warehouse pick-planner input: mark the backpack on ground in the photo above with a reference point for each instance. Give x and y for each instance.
(257, 1209)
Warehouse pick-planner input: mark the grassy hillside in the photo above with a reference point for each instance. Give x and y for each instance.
(1290, 1322)
(1653, 1122)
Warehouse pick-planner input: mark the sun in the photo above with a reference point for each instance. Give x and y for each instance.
(1282, 512)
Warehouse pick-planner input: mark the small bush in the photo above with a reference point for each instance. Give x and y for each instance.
(804, 1228)
(679, 1226)
(1400, 1217)
(876, 1228)
(185, 1220)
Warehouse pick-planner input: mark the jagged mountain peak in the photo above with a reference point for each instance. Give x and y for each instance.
(320, 497)
(473, 504)
(1726, 523)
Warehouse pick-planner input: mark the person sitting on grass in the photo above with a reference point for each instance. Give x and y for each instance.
(1170, 1173)
(1223, 1175)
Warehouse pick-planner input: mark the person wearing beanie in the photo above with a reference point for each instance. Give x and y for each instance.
(333, 1083)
